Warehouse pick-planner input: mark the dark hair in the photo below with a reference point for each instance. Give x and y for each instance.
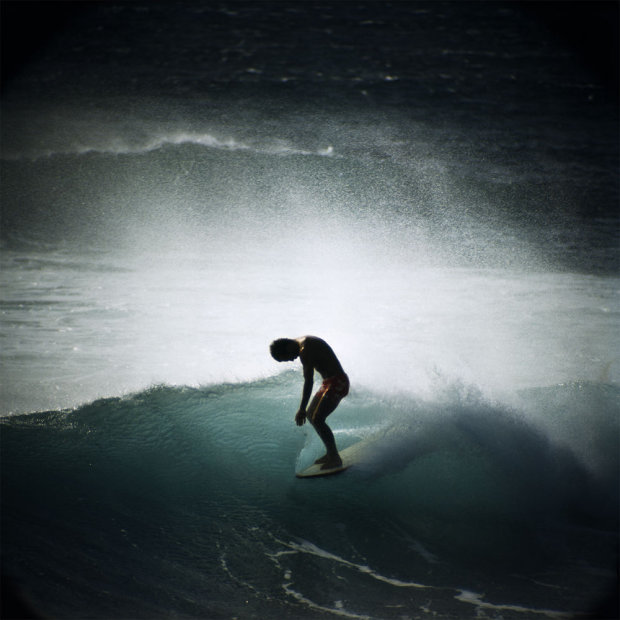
(279, 348)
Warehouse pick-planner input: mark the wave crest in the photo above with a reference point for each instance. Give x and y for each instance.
(126, 145)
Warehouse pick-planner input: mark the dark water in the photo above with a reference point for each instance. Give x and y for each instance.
(432, 187)
(182, 502)
(442, 113)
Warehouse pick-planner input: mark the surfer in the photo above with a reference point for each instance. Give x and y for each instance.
(316, 354)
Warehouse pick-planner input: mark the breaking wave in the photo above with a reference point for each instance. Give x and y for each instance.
(191, 482)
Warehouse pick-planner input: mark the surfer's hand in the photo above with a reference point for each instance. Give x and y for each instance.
(300, 417)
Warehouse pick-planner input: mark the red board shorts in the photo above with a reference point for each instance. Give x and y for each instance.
(334, 388)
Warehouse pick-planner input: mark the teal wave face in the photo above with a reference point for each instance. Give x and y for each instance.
(185, 491)
(465, 452)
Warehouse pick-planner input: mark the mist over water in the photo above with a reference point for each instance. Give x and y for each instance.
(192, 251)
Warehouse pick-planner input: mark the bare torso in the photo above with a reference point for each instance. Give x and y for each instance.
(317, 354)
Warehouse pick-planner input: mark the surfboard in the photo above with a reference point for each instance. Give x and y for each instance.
(349, 456)
(314, 471)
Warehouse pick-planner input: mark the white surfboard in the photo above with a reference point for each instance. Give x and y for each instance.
(351, 455)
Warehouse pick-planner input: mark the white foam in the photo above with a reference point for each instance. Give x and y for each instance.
(121, 145)
(311, 549)
(472, 598)
(461, 595)
(337, 610)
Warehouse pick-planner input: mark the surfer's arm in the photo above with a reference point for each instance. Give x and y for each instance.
(300, 417)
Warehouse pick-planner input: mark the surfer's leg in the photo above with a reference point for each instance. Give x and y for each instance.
(332, 458)
(313, 408)
(317, 418)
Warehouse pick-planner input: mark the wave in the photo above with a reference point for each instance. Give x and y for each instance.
(114, 143)
(192, 490)
(492, 457)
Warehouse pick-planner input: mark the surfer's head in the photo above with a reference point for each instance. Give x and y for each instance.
(284, 349)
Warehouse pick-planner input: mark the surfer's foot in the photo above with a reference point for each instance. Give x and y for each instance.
(323, 459)
(332, 463)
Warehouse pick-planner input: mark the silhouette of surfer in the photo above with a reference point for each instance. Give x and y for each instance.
(316, 354)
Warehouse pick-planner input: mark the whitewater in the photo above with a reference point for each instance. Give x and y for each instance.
(461, 262)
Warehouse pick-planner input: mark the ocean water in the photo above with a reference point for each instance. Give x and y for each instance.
(430, 187)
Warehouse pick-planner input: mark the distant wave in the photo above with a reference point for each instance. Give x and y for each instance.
(124, 146)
